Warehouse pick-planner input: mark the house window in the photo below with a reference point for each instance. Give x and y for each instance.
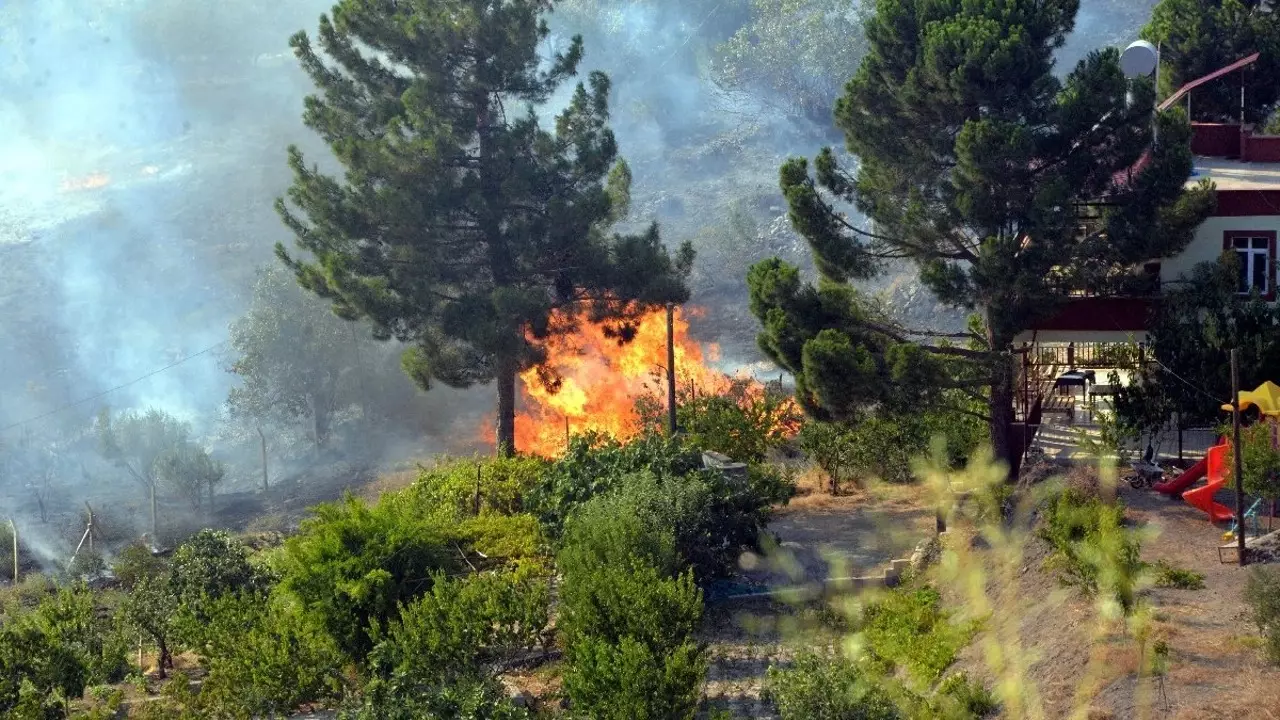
(1256, 254)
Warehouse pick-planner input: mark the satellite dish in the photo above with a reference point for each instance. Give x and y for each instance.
(1139, 59)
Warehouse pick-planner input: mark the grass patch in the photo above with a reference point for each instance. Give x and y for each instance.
(1168, 576)
(909, 629)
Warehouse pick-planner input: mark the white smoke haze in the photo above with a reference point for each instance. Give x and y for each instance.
(142, 144)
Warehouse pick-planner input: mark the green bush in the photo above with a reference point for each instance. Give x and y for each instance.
(1262, 593)
(596, 464)
(135, 562)
(1092, 548)
(265, 659)
(909, 629)
(960, 696)
(712, 516)
(447, 634)
(462, 700)
(1174, 577)
(57, 649)
(503, 537)
(504, 484)
(351, 565)
(820, 687)
(206, 567)
(628, 616)
(885, 447)
(744, 422)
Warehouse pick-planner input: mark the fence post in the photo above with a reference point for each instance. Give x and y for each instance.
(1071, 356)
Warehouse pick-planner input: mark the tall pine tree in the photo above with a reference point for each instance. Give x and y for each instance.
(463, 225)
(978, 165)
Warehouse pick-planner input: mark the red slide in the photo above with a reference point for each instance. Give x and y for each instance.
(1185, 480)
(1202, 497)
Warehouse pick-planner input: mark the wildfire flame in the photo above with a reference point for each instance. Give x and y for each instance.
(89, 182)
(602, 380)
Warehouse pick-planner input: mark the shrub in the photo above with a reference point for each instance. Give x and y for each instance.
(1262, 593)
(827, 688)
(206, 567)
(908, 629)
(58, 649)
(503, 537)
(1092, 548)
(596, 464)
(151, 609)
(959, 696)
(1168, 576)
(744, 421)
(467, 699)
(503, 484)
(264, 658)
(135, 562)
(351, 565)
(447, 633)
(628, 616)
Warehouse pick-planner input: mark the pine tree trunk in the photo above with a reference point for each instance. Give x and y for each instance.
(506, 377)
(1004, 444)
(165, 661)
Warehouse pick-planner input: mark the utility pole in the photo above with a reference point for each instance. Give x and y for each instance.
(13, 530)
(1237, 455)
(671, 369)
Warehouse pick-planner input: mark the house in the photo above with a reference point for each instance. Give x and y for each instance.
(1093, 331)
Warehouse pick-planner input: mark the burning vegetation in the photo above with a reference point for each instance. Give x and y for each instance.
(603, 385)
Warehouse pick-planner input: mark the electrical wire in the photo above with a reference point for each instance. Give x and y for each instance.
(121, 386)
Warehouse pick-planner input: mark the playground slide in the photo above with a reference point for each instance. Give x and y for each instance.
(1185, 480)
(1202, 497)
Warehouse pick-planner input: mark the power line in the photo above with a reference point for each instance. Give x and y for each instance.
(121, 386)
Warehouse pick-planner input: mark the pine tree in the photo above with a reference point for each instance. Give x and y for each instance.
(1197, 37)
(975, 163)
(463, 226)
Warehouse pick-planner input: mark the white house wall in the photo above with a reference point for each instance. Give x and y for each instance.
(1207, 244)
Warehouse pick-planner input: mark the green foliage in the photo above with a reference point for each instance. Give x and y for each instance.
(1092, 548)
(453, 631)
(1166, 575)
(1191, 334)
(963, 697)
(743, 422)
(56, 650)
(596, 464)
(135, 441)
(264, 658)
(504, 484)
(458, 226)
(135, 562)
(1259, 461)
(211, 564)
(909, 629)
(967, 147)
(351, 565)
(628, 616)
(503, 537)
(827, 688)
(1262, 594)
(1198, 38)
(886, 447)
(151, 609)
(293, 356)
(464, 700)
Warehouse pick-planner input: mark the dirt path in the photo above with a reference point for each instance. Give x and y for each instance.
(857, 534)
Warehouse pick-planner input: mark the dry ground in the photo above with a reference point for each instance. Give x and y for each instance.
(1215, 668)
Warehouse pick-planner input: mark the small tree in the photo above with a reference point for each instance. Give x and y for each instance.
(190, 470)
(151, 608)
(293, 355)
(136, 440)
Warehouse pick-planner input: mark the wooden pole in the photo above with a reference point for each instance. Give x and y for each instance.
(90, 531)
(1237, 455)
(13, 530)
(263, 444)
(155, 535)
(671, 369)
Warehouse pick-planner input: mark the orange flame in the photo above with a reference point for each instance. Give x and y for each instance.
(602, 380)
(89, 182)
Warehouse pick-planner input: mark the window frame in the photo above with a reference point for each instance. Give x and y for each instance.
(1228, 244)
